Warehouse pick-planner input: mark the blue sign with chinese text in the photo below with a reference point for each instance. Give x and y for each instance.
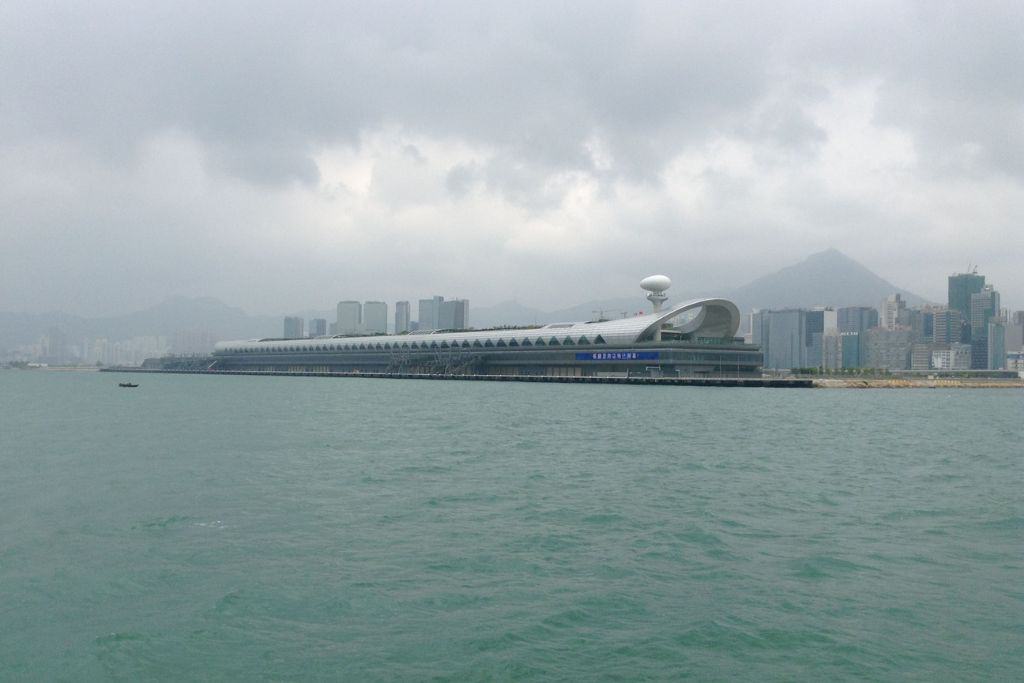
(619, 355)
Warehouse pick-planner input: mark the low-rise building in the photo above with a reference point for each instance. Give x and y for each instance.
(953, 356)
(921, 357)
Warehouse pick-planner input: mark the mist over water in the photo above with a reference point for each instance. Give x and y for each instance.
(297, 528)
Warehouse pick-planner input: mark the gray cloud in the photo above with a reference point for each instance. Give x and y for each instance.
(496, 150)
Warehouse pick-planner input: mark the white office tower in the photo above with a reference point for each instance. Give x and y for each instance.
(830, 321)
(350, 317)
(892, 308)
(402, 319)
(375, 317)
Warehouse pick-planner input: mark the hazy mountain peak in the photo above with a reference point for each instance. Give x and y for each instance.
(827, 259)
(828, 278)
(830, 255)
(202, 308)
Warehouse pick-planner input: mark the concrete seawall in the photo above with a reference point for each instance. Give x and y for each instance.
(663, 381)
(919, 383)
(765, 382)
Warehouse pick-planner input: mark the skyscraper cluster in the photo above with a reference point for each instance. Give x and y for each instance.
(371, 317)
(971, 332)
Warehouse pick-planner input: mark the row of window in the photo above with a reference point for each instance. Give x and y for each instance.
(417, 346)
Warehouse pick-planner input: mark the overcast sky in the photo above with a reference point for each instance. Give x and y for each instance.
(282, 156)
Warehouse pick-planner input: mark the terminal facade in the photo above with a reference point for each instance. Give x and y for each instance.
(693, 339)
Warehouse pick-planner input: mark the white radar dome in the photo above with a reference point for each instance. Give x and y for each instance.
(655, 283)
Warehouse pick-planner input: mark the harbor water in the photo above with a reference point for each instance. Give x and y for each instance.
(283, 528)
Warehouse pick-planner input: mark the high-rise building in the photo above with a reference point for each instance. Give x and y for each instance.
(830, 320)
(318, 327)
(759, 322)
(402, 317)
(350, 317)
(984, 307)
(796, 337)
(889, 349)
(996, 351)
(293, 328)
(961, 287)
(57, 350)
(831, 350)
(857, 318)
(851, 343)
(429, 310)
(453, 315)
(1014, 342)
(436, 309)
(820, 321)
(946, 326)
(853, 322)
(787, 339)
(375, 317)
(979, 353)
(928, 322)
(438, 314)
(921, 321)
(893, 310)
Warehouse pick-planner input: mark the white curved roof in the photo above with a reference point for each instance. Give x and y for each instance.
(715, 318)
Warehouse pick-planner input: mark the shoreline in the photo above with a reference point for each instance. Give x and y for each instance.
(748, 382)
(760, 382)
(918, 383)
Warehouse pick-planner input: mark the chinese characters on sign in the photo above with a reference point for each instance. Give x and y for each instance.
(618, 355)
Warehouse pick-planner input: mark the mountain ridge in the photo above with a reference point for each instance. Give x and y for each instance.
(828, 278)
(825, 278)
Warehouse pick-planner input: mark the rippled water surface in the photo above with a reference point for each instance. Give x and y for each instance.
(292, 528)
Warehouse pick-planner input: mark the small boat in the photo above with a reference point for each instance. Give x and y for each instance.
(127, 385)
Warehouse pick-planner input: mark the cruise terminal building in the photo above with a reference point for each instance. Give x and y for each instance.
(693, 339)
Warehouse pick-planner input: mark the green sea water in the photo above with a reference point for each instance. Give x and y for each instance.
(251, 528)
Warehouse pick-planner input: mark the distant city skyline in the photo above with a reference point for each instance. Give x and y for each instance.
(972, 330)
